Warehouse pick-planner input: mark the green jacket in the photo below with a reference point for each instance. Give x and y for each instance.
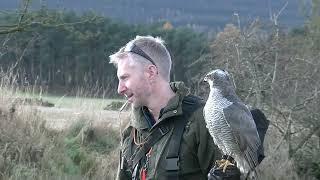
(197, 150)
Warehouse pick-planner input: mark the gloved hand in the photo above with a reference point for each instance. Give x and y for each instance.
(232, 173)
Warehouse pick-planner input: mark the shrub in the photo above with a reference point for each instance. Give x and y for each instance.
(115, 105)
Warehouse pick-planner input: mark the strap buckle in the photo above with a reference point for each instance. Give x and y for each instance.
(172, 163)
(163, 130)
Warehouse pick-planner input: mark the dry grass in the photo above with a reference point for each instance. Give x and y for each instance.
(33, 145)
(31, 149)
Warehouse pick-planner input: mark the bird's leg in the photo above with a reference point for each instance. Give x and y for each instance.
(225, 162)
(225, 165)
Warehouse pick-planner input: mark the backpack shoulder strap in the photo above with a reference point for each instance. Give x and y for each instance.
(155, 135)
(189, 105)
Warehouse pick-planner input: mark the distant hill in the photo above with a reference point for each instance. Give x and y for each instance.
(198, 14)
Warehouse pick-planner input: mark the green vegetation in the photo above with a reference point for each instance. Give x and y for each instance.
(63, 58)
(274, 70)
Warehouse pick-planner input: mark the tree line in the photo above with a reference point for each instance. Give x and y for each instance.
(71, 55)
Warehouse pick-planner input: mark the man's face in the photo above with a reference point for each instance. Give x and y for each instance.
(133, 83)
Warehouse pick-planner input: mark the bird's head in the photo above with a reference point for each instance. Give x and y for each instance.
(218, 77)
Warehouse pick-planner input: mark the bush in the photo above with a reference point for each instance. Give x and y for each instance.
(115, 106)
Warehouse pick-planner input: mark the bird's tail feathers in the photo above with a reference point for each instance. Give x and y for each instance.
(251, 160)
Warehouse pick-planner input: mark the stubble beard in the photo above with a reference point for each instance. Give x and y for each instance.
(142, 99)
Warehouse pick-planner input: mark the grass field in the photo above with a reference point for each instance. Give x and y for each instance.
(70, 101)
(85, 149)
(70, 109)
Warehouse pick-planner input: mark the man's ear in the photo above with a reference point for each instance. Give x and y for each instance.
(152, 71)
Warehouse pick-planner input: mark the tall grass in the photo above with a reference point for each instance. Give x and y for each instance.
(28, 150)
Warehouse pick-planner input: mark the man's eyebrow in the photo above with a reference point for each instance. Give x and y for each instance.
(123, 76)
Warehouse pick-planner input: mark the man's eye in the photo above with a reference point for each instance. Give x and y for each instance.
(124, 77)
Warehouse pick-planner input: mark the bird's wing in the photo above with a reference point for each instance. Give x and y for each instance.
(239, 118)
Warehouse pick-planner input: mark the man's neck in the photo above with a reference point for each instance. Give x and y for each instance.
(161, 98)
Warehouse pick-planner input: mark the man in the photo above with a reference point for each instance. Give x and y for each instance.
(167, 137)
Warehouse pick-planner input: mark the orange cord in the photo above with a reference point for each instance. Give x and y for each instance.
(134, 138)
(149, 153)
(139, 144)
(143, 172)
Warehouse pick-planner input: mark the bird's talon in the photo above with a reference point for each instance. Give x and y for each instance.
(225, 165)
(219, 162)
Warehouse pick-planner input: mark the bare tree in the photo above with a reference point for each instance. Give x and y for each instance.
(276, 73)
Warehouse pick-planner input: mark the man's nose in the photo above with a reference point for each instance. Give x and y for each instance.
(121, 88)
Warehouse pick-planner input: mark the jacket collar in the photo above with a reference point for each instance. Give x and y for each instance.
(173, 108)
